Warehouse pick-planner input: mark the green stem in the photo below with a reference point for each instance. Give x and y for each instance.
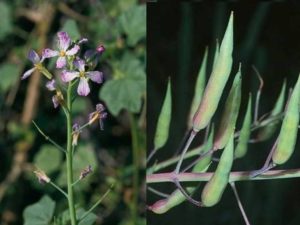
(59, 189)
(234, 176)
(69, 157)
(96, 204)
(135, 155)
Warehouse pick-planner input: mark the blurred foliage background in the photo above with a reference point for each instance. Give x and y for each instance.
(120, 25)
(267, 36)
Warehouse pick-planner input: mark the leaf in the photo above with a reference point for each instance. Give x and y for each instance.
(133, 23)
(83, 156)
(39, 213)
(71, 28)
(126, 89)
(48, 159)
(9, 74)
(164, 119)
(6, 20)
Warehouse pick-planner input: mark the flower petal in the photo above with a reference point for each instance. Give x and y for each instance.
(100, 108)
(27, 73)
(67, 76)
(33, 56)
(64, 40)
(49, 53)
(50, 85)
(83, 87)
(79, 64)
(82, 40)
(61, 62)
(95, 76)
(73, 50)
(55, 101)
(100, 49)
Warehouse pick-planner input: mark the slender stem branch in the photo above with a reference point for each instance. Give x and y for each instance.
(69, 157)
(59, 189)
(236, 194)
(159, 193)
(76, 182)
(48, 138)
(96, 204)
(135, 148)
(234, 176)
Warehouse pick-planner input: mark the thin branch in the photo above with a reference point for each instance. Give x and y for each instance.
(59, 189)
(186, 195)
(48, 138)
(239, 203)
(234, 176)
(159, 193)
(258, 93)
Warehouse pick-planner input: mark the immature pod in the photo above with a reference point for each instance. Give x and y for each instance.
(217, 81)
(199, 88)
(215, 187)
(230, 113)
(267, 131)
(288, 133)
(176, 198)
(217, 50)
(244, 137)
(164, 119)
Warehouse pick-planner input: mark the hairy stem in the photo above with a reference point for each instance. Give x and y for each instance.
(70, 157)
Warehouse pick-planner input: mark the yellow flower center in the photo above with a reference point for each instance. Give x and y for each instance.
(81, 74)
(39, 66)
(62, 54)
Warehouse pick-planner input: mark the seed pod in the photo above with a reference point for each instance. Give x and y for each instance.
(267, 131)
(217, 50)
(242, 145)
(176, 198)
(199, 88)
(164, 119)
(215, 187)
(230, 113)
(217, 81)
(288, 133)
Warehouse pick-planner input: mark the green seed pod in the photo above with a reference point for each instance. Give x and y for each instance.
(288, 133)
(164, 119)
(217, 81)
(230, 113)
(267, 131)
(199, 88)
(217, 50)
(242, 146)
(215, 187)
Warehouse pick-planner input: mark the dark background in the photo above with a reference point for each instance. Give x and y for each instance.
(267, 36)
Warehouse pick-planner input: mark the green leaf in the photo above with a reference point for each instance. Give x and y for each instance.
(83, 156)
(9, 74)
(126, 89)
(133, 23)
(39, 213)
(71, 28)
(6, 20)
(48, 159)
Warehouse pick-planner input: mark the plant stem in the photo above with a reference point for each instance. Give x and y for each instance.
(234, 176)
(69, 157)
(135, 158)
(59, 189)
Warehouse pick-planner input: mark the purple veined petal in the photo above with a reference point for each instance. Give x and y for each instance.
(100, 107)
(91, 115)
(75, 127)
(100, 49)
(95, 76)
(79, 64)
(73, 50)
(55, 101)
(50, 85)
(49, 53)
(27, 73)
(83, 87)
(67, 76)
(82, 40)
(33, 56)
(61, 62)
(64, 40)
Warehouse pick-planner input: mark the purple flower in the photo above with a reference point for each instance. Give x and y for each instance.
(58, 99)
(99, 114)
(100, 49)
(42, 177)
(75, 134)
(86, 171)
(64, 43)
(83, 87)
(37, 62)
(51, 85)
